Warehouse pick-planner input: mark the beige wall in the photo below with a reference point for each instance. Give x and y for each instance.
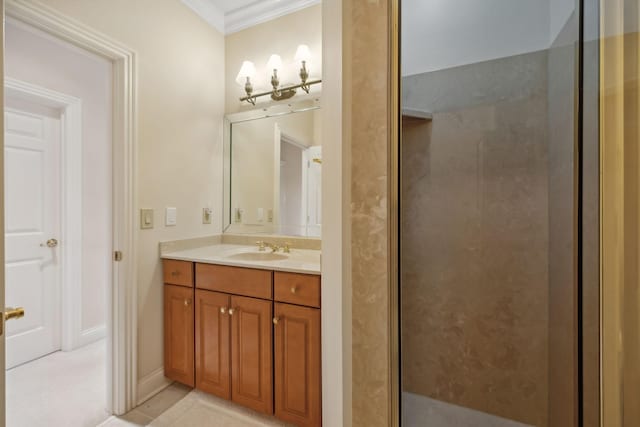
(280, 36)
(180, 109)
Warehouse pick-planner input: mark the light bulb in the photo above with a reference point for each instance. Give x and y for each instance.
(275, 63)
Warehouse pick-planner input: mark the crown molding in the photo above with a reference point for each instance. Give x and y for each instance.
(260, 12)
(207, 11)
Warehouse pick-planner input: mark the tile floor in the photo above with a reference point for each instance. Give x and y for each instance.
(420, 411)
(61, 389)
(179, 406)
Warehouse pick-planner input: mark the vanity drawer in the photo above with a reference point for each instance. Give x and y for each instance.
(178, 272)
(301, 289)
(235, 280)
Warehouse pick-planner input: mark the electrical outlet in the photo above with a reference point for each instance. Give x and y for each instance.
(206, 215)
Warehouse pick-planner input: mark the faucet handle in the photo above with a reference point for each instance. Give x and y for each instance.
(261, 245)
(286, 248)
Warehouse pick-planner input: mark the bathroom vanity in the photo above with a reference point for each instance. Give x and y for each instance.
(244, 325)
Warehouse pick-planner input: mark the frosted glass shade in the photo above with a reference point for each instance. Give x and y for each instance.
(303, 53)
(275, 63)
(248, 69)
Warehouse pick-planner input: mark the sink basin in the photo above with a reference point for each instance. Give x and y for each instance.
(257, 256)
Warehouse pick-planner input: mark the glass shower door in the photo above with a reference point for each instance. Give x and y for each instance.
(489, 206)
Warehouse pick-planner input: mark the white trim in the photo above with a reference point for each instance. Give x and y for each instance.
(260, 12)
(207, 11)
(71, 201)
(91, 335)
(152, 384)
(123, 299)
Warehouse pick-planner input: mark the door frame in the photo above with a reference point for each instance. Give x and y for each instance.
(122, 324)
(71, 202)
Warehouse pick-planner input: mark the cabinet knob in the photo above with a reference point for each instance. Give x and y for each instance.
(175, 273)
(293, 289)
(223, 310)
(231, 312)
(187, 302)
(276, 320)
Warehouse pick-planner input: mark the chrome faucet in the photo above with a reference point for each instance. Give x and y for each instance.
(261, 245)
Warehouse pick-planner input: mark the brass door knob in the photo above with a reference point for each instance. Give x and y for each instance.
(223, 310)
(51, 243)
(13, 313)
(187, 302)
(276, 320)
(293, 289)
(231, 312)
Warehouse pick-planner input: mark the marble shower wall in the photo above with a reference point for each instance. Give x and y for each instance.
(475, 245)
(366, 111)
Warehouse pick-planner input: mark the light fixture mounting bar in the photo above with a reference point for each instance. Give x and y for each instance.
(251, 99)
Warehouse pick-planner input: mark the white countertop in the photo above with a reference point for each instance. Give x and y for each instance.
(304, 261)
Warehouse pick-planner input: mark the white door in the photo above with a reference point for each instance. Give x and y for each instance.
(32, 218)
(313, 190)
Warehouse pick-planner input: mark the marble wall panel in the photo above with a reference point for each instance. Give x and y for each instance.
(475, 238)
(366, 115)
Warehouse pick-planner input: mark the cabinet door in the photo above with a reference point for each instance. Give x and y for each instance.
(178, 334)
(297, 365)
(212, 343)
(251, 353)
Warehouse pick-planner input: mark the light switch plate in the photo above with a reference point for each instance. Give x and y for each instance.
(206, 215)
(171, 217)
(146, 219)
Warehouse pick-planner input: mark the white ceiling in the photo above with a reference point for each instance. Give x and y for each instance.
(230, 16)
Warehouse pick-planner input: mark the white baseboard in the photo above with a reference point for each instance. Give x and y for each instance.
(152, 384)
(91, 335)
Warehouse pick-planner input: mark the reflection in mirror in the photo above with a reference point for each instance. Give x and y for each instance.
(273, 169)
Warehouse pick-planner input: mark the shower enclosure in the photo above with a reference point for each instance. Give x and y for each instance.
(498, 218)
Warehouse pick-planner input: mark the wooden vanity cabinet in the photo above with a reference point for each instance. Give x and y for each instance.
(297, 365)
(233, 349)
(213, 352)
(251, 353)
(246, 335)
(178, 334)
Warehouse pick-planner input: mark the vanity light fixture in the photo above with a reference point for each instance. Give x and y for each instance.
(274, 65)
(247, 72)
(277, 93)
(303, 55)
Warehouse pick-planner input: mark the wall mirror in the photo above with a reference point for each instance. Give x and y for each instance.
(273, 169)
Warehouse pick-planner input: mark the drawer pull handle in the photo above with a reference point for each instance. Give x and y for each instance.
(231, 312)
(276, 320)
(187, 302)
(293, 290)
(223, 310)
